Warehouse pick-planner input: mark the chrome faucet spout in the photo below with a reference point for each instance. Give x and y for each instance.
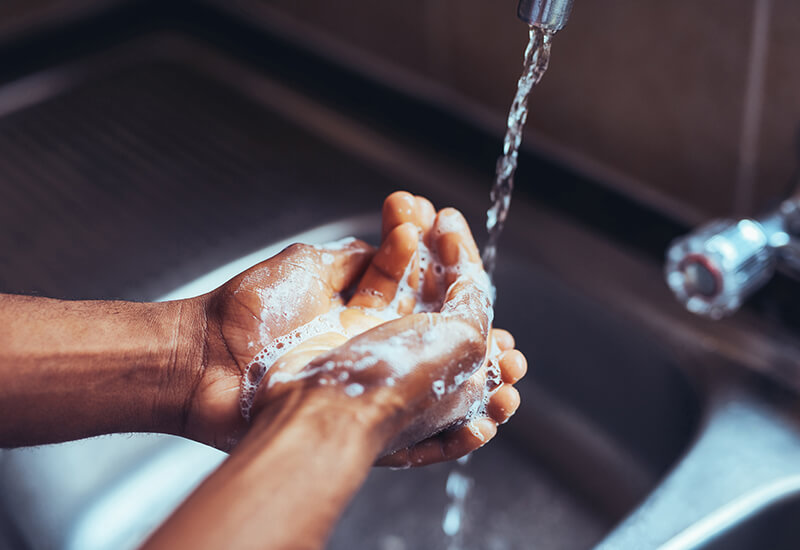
(549, 15)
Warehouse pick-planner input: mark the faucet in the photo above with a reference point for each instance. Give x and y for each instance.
(548, 15)
(713, 269)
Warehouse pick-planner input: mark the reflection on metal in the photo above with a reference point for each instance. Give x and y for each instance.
(715, 268)
(746, 458)
(549, 15)
(733, 514)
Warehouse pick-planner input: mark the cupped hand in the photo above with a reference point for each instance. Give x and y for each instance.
(439, 375)
(434, 365)
(239, 319)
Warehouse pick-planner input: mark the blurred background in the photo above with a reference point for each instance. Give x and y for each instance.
(150, 150)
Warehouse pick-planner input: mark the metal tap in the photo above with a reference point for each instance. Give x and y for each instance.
(549, 15)
(716, 267)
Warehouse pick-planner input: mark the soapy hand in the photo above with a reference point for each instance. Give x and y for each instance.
(268, 301)
(413, 345)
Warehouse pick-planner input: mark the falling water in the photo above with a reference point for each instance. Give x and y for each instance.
(458, 486)
(537, 57)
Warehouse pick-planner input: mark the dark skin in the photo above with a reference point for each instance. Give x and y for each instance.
(232, 315)
(100, 367)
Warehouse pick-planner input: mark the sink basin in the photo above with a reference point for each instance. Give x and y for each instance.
(568, 466)
(773, 527)
(174, 167)
(109, 492)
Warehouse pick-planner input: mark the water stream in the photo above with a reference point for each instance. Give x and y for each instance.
(537, 58)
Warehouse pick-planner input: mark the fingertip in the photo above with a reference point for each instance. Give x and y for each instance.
(426, 214)
(380, 283)
(397, 459)
(503, 403)
(447, 445)
(472, 435)
(398, 208)
(513, 366)
(452, 235)
(450, 220)
(398, 198)
(398, 250)
(484, 429)
(503, 339)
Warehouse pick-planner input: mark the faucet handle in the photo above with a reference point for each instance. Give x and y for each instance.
(713, 269)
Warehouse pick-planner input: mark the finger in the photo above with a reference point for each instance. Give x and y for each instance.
(426, 215)
(469, 289)
(503, 339)
(425, 452)
(453, 240)
(513, 366)
(469, 300)
(473, 435)
(402, 207)
(341, 266)
(301, 355)
(385, 274)
(445, 446)
(295, 286)
(503, 403)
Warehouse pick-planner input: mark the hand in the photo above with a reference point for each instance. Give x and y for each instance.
(244, 315)
(422, 372)
(266, 304)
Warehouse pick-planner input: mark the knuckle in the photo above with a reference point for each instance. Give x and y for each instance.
(298, 249)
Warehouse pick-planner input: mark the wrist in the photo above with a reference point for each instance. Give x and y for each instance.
(326, 411)
(182, 367)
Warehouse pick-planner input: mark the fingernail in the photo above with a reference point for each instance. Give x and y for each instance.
(483, 428)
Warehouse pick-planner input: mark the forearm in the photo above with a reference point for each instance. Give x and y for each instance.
(72, 369)
(284, 486)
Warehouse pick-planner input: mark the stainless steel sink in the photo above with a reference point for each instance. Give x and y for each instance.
(624, 392)
(773, 527)
(108, 492)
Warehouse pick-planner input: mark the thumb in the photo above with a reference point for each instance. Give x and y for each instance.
(341, 264)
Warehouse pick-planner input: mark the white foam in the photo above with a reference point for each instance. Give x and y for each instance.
(354, 390)
(278, 347)
(449, 222)
(280, 299)
(494, 381)
(391, 350)
(341, 244)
